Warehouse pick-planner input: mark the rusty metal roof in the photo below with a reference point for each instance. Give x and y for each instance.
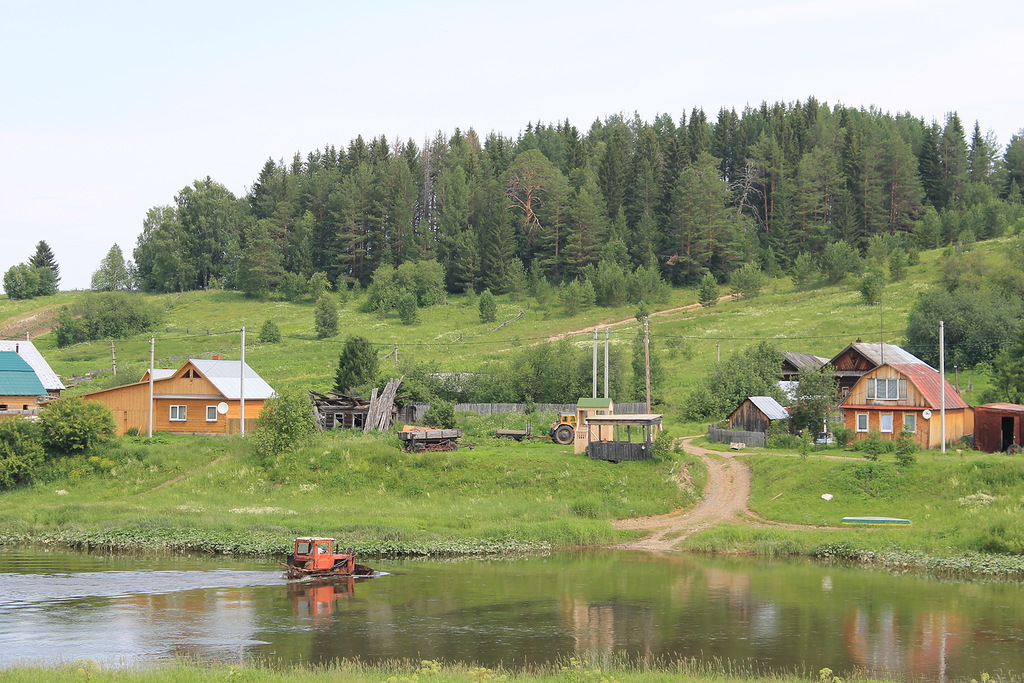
(928, 382)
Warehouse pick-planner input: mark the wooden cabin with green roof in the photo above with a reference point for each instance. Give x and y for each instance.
(20, 388)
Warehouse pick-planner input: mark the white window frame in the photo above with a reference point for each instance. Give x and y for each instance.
(881, 423)
(211, 410)
(910, 423)
(882, 389)
(179, 413)
(867, 421)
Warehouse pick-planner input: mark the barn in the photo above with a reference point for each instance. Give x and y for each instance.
(203, 396)
(756, 414)
(999, 427)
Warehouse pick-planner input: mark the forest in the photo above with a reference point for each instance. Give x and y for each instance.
(670, 199)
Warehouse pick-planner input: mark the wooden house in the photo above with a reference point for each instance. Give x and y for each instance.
(897, 396)
(201, 397)
(30, 354)
(793, 362)
(999, 427)
(756, 414)
(859, 358)
(20, 388)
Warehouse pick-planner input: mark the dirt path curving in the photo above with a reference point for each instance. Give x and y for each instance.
(725, 500)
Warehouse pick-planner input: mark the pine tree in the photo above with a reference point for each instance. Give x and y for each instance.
(325, 318)
(707, 291)
(488, 307)
(44, 258)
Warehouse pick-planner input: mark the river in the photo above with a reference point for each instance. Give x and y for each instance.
(764, 616)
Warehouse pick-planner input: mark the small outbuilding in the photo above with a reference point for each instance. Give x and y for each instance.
(999, 427)
(756, 414)
(20, 388)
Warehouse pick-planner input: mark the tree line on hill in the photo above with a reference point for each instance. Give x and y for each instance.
(683, 199)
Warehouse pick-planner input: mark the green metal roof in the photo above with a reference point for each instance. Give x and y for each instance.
(594, 403)
(17, 378)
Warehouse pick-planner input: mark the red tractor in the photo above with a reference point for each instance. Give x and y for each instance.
(316, 557)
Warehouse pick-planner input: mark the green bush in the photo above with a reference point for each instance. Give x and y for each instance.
(270, 333)
(874, 445)
(74, 424)
(284, 424)
(21, 451)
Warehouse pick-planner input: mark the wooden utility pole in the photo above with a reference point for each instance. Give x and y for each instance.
(647, 361)
(113, 359)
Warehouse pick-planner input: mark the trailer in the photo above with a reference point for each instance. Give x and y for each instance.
(420, 439)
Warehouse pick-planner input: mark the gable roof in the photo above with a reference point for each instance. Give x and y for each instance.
(931, 385)
(594, 403)
(804, 360)
(771, 408)
(158, 373)
(17, 378)
(224, 374)
(30, 354)
(878, 353)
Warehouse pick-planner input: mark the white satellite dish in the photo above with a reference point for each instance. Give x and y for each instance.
(222, 408)
(926, 414)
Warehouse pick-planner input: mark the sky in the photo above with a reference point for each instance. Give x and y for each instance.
(111, 108)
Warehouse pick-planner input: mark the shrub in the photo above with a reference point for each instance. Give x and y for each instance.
(408, 312)
(843, 435)
(748, 281)
(873, 446)
(325, 318)
(270, 333)
(440, 414)
(74, 424)
(488, 307)
(707, 290)
(21, 451)
(284, 424)
(106, 315)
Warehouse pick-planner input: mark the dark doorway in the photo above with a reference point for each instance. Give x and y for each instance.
(1008, 429)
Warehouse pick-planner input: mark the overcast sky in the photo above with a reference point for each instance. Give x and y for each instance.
(110, 108)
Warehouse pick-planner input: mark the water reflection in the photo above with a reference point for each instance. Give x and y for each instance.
(768, 616)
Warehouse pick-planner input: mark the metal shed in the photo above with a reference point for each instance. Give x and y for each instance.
(999, 427)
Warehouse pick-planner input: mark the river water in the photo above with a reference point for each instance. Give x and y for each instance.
(760, 615)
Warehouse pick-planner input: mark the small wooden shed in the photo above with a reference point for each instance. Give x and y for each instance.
(756, 413)
(998, 427)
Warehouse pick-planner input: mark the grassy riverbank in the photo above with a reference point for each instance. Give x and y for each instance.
(573, 671)
(207, 494)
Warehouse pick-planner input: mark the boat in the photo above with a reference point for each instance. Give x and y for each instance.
(877, 521)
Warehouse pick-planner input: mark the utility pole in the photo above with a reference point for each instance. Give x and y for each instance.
(594, 394)
(718, 351)
(606, 335)
(396, 356)
(113, 359)
(152, 347)
(241, 388)
(647, 361)
(942, 380)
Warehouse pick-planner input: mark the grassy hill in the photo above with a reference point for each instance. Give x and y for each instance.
(687, 338)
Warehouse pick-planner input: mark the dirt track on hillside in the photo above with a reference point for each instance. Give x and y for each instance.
(725, 501)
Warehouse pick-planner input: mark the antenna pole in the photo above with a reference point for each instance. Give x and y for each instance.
(241, 388)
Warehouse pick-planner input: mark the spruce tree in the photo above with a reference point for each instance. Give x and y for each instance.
(44, 258)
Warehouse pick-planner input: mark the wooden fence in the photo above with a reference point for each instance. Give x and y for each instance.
(759, 439)
(412, 413)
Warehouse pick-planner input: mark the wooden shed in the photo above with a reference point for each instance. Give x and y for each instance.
(999, 427)
(897, 397)
(756, 414)
(793, 362)
(201, 397)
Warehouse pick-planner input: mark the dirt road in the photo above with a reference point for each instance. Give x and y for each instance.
(725, 500)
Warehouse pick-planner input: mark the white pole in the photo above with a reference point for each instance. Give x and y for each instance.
(152, 347)
(241, 388)
(606, 335)
(595, 364)
(942, 380)
(647, 361)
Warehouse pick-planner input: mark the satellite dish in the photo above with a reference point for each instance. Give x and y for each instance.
(222, 408)
(926, 414)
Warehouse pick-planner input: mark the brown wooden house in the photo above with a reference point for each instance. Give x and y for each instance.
(201, 397)
(859, 358)
(897, 396)
(999, 427)
(793, 362)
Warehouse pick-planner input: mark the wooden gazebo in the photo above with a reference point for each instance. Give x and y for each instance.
(621, 437)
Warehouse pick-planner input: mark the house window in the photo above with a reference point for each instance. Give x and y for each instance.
(886, 422)
(910, 423)
(211, 413)
(887, 389)
(862, 422)
(178, 413)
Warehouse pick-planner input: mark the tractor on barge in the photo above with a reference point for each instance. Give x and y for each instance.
(315, 557)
